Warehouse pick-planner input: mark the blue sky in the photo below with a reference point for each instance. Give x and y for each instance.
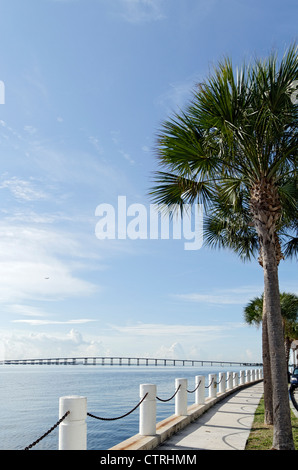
(87, 85)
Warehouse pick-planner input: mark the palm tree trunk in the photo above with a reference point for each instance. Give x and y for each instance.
(282, 436)
(268, 401)
(265, 207)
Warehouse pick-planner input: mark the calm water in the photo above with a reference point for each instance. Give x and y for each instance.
(29, 400)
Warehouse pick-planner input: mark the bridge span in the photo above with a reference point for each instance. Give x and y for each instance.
(122, 361)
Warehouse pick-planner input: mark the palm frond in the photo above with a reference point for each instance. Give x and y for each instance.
(173, 189)
(240, 128)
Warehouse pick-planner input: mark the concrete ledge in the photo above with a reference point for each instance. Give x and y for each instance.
(138, 442)
(173, 424)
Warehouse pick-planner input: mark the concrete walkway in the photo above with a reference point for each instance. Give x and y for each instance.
(225, 426)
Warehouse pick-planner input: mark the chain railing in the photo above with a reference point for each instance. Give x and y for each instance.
(48, 432)
(169, 399)
(150, 402)
(119, 417)
(195, 389)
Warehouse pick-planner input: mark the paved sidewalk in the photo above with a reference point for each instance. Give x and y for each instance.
(225, 426)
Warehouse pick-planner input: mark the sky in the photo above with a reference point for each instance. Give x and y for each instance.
(85, 87)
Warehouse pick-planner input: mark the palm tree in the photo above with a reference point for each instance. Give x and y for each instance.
(253, 314)
(230, 227)
(257, 310)
(236, 143)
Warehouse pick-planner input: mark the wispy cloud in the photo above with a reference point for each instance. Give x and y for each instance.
(141, 11)
(96, 144)
(26, 310)
(30, 129)
(237, 296)
(140, 339)
(158, 329)
(38, 317)
(171, 340)
(38, 263)
(177, 94)
(18, 345)
(36, 322)
(116, 139)
(23, 189)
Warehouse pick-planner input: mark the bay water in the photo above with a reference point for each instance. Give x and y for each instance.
(29, 400)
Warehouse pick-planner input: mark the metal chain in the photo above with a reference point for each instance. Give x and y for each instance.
(210, 383)
(192, 391)
(118, 417)
(160, 399)
(48, 432)
(217, 383)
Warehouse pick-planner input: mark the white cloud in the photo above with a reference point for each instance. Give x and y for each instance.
(30, 129)
(37, 263)
(237, 296)
(116, 139)
(141, 340)
(35, 322)
(26, 310)
(96, 144)
(126, 156)
(140, 11)
(176, 340)
(21, 345)
(160, 340)
(23, 189)
(177, 94)
(158, 329)
(175, 351)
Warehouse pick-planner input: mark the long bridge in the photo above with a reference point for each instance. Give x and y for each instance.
(121, 361)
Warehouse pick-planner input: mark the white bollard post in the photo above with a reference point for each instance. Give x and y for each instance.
(147, 424)
(200, 391)
(213, 386)
(252, 375)
(247, 376)
(235, 380)
(222, 382)
(73, 429)
(230, 379)
(242, 377)
(181, 397)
